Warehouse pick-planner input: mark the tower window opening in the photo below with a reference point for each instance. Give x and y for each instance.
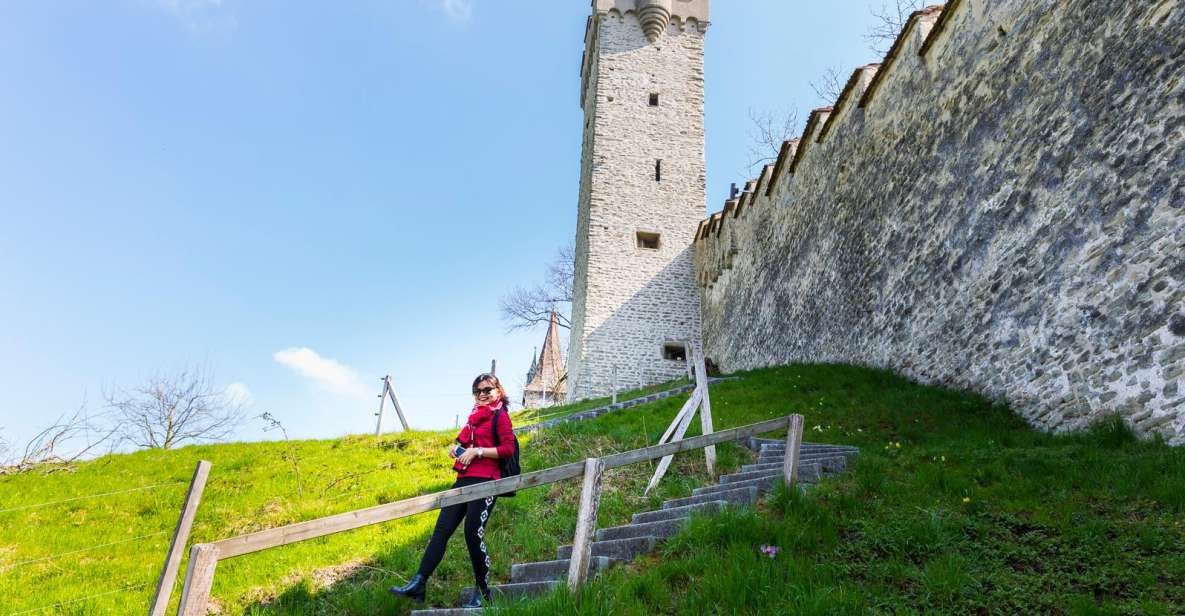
(649, 241)
(654, 100)
(674, 351)
(658, 170)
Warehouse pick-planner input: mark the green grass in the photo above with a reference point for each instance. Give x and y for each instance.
(1081, 524)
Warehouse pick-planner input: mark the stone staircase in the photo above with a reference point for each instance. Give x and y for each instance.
(622, 544)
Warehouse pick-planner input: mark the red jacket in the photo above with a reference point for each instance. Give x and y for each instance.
(479, 432)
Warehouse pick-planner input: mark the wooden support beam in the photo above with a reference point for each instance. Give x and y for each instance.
(396, 404)
(793, 444)
(168, 576)
(199, 578)
(688, 407)
(666, 461)
(586, 523)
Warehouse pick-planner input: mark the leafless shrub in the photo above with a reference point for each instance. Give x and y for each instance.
(888, 22)
(829, 86)
(526, 307)
(72, 437)
(274, 424)
(768, 130)
(170, 410)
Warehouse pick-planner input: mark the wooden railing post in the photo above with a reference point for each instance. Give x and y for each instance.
(586, 523)
(199, 578)
(705, 411)
(793, 443)
(168, 576)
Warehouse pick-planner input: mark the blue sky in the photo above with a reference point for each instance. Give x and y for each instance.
(306, 196)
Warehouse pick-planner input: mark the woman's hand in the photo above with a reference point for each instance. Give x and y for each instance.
(452, 451)
(469, 456)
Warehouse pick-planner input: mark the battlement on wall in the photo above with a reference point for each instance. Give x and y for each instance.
(908, 52)
(997, 205)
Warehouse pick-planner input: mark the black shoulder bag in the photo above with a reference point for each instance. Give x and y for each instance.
(509, 465)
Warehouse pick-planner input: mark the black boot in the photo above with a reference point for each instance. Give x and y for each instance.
(416, 588)
(479, 598)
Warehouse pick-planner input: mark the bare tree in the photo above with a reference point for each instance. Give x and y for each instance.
(888, 22)
(526, 307)
(829, 86)
(168, 410)
(70, 438)
(767, 132)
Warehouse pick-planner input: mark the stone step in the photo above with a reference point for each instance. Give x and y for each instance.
(831, 464)
(554, 570)
(758, 443)
(621, 549)
(807, 471)
(677, 512)
(524, 589)
(745, 476)
(447, 611)
(740, 495)
(661, 529)
(806, 475)
(767, 458)
(781, 451)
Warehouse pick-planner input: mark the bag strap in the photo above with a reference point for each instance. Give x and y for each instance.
(494, 427)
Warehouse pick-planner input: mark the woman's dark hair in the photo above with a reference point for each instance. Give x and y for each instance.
(493, 379)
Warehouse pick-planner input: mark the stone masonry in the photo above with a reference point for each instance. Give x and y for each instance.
(642, 193)
(997, 206)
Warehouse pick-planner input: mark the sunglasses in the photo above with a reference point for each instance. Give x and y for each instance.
(484, 391)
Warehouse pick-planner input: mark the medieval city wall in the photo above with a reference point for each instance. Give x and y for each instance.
(996, 207)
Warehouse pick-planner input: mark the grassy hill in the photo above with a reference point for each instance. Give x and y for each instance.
(954, 505)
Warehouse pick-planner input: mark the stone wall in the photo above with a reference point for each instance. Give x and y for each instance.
(997, 207)
(628, 301)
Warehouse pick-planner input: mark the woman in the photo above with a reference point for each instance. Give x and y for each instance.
(477, 461)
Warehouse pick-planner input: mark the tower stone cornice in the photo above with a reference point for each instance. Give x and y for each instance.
(680, 9)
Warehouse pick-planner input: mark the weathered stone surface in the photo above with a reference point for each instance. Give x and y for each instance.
(629, 300)
(1003, 215)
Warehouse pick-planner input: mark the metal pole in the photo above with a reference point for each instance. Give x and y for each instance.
(494, 367)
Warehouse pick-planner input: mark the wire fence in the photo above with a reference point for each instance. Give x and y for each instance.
(89, 496)
(9, 568)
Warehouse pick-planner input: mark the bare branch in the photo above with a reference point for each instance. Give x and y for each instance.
(274, 424)
(888, 22)
(72, 437)
(526, 307)
(829, 86)
(169, 410)
(768, 131)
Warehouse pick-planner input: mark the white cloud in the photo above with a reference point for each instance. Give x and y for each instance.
(330, 374)
(239, 394)
(456, 10)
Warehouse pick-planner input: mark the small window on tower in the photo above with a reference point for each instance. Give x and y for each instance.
(658, 170)
(647, 240)
(654, 100)
(674, 351)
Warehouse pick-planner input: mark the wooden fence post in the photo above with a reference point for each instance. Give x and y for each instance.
(793, 443)
(168, 576)
(705, 411)
(378, 427)
(586, 523)
(199, 578)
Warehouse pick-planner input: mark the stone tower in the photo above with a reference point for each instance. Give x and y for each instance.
(642, 194)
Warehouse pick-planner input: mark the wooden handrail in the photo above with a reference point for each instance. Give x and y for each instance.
(204, 558)
(303, 531)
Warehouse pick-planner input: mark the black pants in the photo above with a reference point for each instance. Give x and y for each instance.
(476, 514)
